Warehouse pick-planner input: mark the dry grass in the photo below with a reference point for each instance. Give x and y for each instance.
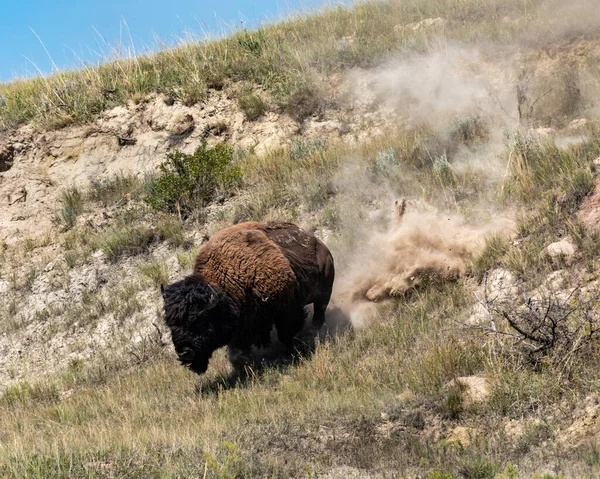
(156, 418)
(160, 407)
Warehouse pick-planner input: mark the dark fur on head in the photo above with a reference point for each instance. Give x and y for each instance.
(201, 318)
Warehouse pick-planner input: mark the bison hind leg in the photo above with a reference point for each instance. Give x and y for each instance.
(318, 319)
(290, 324)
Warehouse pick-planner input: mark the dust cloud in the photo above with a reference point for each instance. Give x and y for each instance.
(419, 244)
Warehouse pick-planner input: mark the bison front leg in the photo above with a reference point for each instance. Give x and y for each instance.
(240, 356)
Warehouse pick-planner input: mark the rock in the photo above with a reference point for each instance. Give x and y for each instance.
(181, 124)
(577, 125)
(542, 133)
(422, 26)
(561, 248)
(475, 389)
(589, 212)
(405, 396)
(118, 121)
(501, 286)
(460, 434)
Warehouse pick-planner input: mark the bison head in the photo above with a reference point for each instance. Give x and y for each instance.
(201, 320)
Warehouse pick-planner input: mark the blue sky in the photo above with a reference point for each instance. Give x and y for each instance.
(68, 28)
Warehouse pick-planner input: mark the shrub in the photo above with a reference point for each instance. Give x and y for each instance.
(469, 131)
(187, 182)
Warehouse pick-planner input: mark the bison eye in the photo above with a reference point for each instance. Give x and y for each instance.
(187, 354)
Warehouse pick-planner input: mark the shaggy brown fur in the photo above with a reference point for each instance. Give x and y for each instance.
(247, 278)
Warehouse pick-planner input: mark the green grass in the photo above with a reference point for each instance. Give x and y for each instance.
(156, 272)
(551, 184)
(125, 240)
(72, 202)
(283, 58)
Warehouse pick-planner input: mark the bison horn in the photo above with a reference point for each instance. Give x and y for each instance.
(213, 300)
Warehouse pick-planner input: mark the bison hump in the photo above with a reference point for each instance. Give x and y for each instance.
(245, 262)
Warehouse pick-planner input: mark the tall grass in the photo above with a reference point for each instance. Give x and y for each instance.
(282, 57)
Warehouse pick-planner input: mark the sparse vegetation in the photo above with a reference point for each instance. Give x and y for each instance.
(156, 272)
(109, 191)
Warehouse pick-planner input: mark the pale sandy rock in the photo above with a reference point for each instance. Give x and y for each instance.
(422, 26)
(589, 212)
(405, 396)
(557, 280)
(501, 286)
(561, 248)
(181, 124)
(542, 133)
(577, 125)
(585, 423)
(475, 389)
(118, 121)
(460, 434)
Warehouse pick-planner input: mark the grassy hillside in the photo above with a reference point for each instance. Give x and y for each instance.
(484, 366)
(287, 59)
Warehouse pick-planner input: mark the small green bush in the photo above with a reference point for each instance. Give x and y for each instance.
(187, 182)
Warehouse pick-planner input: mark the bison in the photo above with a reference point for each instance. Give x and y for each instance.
(247, 278)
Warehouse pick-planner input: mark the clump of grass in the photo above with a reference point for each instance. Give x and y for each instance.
(186, 259)
(188, 182)
(156, 272)
(495, 248)
(480, 468)
(25, 393)
(125, 240)
(170, 229)
(302, 148)
(469, 131)
(111, 190)
(252, 105)
(453, 403)
(72, 202)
